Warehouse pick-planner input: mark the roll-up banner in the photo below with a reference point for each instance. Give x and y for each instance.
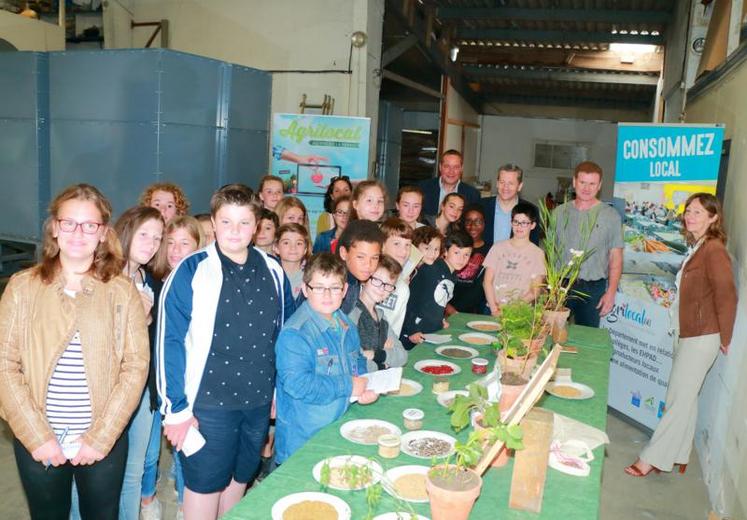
(658, 168)
(309, 150)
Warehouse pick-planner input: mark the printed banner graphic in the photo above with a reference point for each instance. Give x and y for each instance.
(310, 150)
(658, 168)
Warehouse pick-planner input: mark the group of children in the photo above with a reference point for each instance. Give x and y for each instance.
(250, 323)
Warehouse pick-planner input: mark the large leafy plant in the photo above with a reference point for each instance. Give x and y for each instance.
(562, 263)
(521, 322)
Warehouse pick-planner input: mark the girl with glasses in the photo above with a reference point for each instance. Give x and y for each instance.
(326, 241)
(67, 415)
(514, 268)
(338, 188)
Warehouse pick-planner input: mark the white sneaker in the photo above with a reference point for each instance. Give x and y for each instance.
(152, 511)
(179, 514)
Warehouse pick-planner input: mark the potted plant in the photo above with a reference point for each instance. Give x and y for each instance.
(521, 338)
(486, 419)
(452, 486)
(562, 266)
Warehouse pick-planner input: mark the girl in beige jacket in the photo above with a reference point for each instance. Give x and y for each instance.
(73, 361)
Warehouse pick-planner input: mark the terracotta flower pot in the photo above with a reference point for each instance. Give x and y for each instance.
(503, 456)
(558, 323)
(516, 365)
(453, 495)
(509, 394)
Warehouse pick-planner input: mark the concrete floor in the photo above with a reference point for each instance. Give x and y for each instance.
(656, 497)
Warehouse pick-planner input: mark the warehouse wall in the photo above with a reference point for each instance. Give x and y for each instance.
(462, 137)
(280, 35)
(512, 139)
(31, 35)
(721, 436)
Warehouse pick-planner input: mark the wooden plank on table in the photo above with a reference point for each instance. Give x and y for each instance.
(523, 404)
(530, 464)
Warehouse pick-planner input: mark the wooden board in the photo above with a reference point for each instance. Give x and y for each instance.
(523, 404)
(530, 464)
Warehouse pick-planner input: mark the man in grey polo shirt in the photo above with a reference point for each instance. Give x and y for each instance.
(600, 273)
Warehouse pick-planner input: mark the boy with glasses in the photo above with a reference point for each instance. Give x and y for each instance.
(381, 346)
(319, 360)
(514, 268)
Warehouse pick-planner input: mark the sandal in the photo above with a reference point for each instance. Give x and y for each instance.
(634, 471)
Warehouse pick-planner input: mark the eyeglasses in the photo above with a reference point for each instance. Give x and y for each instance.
(341, 213)
(378, 282)
(69, 226)
(319, 289)
(521, 223)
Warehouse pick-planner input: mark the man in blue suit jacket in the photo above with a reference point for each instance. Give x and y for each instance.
(498, 220)
(450, 170)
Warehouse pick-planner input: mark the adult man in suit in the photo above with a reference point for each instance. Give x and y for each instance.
(450, 169)
(498, 209)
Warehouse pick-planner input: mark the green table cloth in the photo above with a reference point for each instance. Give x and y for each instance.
(565, 496)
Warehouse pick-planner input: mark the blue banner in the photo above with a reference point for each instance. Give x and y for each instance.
(651, 153)
(658, 168)
(308, 150)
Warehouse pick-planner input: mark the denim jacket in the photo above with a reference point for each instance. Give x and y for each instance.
(315, 364)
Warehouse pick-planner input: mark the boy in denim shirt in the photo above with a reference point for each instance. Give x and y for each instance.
(319, 360)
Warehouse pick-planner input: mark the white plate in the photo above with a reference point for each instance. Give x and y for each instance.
(341, 460)
(469, 350)
(475, 325)
(400, 515)
(586, 391)
(422, 434)
(471, 337)
(437, 362)
(394, 473)
(450, 394)
(342, 508)
(346, 430)
(414, 384)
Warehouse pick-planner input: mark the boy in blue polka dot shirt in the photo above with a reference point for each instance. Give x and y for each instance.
(221, 310)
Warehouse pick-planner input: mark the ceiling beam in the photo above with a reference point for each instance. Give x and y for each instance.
(591, 60)
(410, 83)
(571, 15)
(473, 71)
(398, 49)
(433, 52)
(531, 35)
(568, 102)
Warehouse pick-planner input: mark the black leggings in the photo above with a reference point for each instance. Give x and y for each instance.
(48, 491)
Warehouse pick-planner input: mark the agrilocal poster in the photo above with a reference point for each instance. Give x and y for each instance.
(658, 167)
(309, 150)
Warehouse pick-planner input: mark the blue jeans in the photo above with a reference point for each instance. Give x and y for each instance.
(139, 436)
(584, 308)
(150, 471)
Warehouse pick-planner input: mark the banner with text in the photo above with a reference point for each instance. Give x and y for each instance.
(308, 150)
(658, 168)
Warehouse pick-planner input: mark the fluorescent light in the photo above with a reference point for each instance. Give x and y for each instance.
(413, 131)
(632, 48)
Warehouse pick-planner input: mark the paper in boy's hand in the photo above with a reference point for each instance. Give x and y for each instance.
(437, 339)
(382, 381)
(193, 442)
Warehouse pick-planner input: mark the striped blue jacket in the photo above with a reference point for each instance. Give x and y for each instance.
(186, 317)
